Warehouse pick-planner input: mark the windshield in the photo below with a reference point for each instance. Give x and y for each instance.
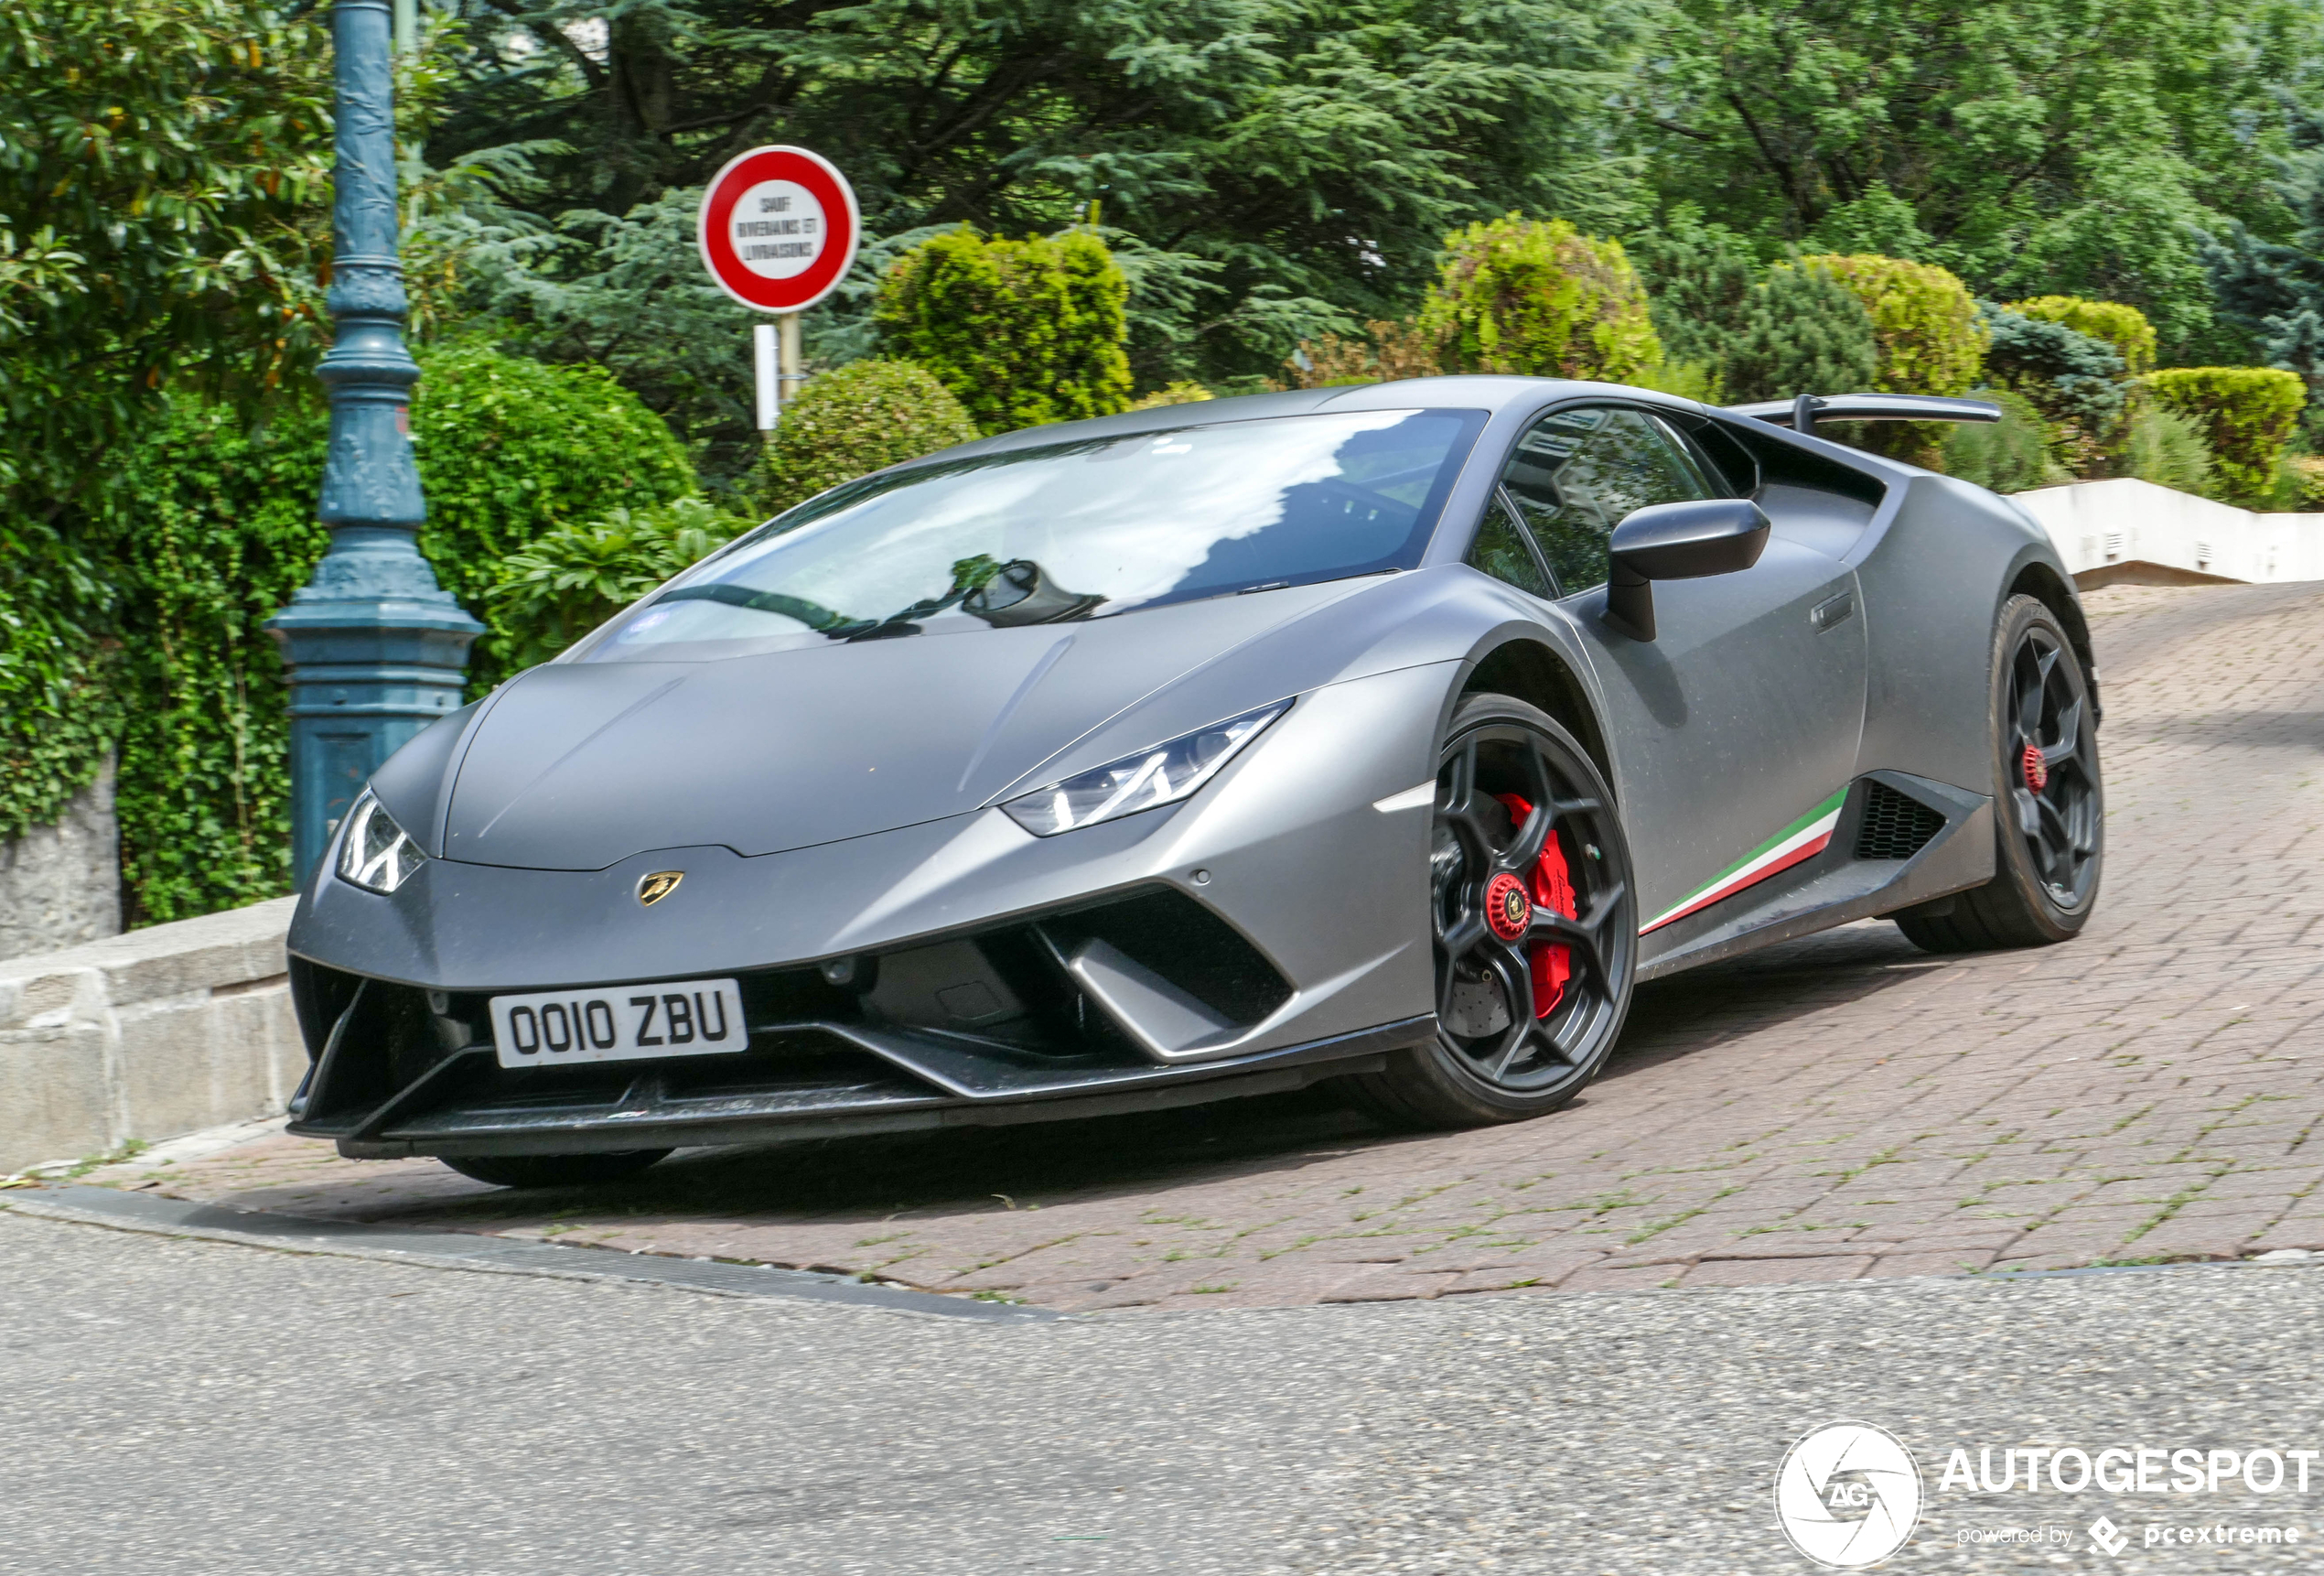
(1068, 531)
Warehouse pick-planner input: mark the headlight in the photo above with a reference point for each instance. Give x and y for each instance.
(1162, 776)
(375, 854)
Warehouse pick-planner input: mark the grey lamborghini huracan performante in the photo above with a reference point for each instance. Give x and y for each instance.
(1387, 734)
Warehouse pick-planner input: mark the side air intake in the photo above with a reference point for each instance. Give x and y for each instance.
(1896, 826)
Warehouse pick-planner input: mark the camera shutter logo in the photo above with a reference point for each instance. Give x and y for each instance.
(1847, 1495)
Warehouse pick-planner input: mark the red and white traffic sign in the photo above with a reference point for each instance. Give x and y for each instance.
(779, 228)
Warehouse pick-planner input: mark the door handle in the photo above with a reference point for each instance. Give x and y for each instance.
(1832, 611)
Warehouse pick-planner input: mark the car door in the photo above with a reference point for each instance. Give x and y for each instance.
(1735, 731)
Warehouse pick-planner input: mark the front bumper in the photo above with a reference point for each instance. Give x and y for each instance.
(1270, 931)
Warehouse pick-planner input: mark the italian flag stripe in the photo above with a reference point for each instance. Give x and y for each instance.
(1803, 839)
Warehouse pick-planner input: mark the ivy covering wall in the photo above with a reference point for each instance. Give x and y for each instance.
(163, 656)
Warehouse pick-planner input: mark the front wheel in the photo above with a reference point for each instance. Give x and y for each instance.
(2048, 806)
(1533, 923)
(553, 1171)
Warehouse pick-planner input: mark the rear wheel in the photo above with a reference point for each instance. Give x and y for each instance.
(1533, 923)
(553, 1171)
(2050, 808)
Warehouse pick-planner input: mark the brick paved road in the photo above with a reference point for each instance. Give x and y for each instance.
(1838, 1108)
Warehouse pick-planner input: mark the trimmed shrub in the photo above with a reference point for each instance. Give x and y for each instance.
(1541, 299)
(2125, 328)
(567, 581)
(2244, 414)
(2007, 456)
(861, 418)
(1923, 319)
(1801, 332)
(509, 449)
(2168, 450)
(1023, 332)
(1929, 338)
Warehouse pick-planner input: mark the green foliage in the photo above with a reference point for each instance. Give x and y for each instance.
(1183, 391)
(2011, 455)
(1249, 143)
(1800, 330)
(2074, 145)
(211, 530)
(1541, 299)
(568, 580)
(1023, 332)
(160, 161)
(2125, 328)
(1924, 322)
(1697, 276)
(2075, 380)
(862, 418)
(2168, 449)
(57, 719)
(2272, 288)
(2244, 414)
(509, 449)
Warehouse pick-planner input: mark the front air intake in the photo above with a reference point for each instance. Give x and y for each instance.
(1896, 826)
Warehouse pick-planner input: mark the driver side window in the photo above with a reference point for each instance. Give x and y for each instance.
(1576, 473)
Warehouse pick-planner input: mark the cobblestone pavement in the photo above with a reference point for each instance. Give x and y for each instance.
(1838, 1108)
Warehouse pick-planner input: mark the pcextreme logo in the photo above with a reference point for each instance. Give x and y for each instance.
(1847, 1495)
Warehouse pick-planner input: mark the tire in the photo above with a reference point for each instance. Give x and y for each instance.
(1486, 1063)
(2049, 818)
(553, 1171)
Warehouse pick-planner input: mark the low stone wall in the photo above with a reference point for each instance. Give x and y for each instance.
(61, 885)
(147, 1035)
(2134, 533)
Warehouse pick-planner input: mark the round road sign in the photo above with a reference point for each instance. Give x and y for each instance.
(777, 228)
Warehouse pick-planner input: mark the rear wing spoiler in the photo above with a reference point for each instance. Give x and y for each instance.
(1802, 413)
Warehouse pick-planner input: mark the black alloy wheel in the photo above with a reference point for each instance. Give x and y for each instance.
(1530, 879)
(553, 1171)
(2049, 801)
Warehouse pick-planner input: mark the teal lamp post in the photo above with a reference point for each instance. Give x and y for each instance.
(375, 649)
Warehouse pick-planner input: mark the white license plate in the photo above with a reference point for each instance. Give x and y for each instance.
(554, 1028)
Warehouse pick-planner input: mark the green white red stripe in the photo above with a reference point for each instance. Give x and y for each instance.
(1803, 839)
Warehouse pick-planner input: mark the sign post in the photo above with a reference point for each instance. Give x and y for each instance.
(778, 231)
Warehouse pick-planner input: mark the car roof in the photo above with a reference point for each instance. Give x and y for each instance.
(1489, 394)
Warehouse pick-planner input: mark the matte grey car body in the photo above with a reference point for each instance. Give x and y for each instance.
(915, 957)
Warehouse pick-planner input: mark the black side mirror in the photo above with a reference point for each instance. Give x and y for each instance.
(1678, 542)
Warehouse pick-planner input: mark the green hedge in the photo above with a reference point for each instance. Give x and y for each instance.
(1540, 299)
(1924, 321)
(2244, 414)
(207, 532)
(861, 418)
(1023, 332)
(510, 448)
(2124, 327)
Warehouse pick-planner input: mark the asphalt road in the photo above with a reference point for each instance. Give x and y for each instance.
(189, 1406)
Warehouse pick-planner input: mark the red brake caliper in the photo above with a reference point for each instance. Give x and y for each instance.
(2036, 774)
(1552, 888)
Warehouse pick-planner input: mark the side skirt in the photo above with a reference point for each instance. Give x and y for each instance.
(1834, 887)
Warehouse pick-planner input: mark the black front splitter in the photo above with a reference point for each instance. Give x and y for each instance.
(651, 1123)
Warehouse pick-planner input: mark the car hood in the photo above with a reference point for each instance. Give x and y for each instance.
(580, 765)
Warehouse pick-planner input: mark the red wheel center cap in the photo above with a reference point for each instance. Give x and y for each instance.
(1507, 909)
(2036, 774)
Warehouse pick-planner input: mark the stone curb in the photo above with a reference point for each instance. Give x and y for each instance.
(463, 1250)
